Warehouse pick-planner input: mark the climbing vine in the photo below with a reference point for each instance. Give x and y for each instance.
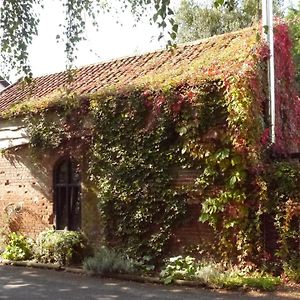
(138, 137)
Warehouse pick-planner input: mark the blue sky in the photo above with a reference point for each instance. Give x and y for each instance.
(113, 39)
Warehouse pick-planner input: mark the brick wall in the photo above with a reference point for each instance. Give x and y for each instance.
(191, 235)
(25, 193)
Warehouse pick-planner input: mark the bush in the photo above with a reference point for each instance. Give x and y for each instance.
(18, 248)
(187, 268)
(292, 270)
(208, 273)
(108, 261)
(213, 274)
(62, 247)
(254, 280)
(179, 268)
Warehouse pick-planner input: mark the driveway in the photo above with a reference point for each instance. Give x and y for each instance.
(32, 284)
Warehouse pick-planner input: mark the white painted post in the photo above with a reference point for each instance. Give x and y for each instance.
(267, 22)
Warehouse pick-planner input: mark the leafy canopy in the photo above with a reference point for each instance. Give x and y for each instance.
(197, 20)
(19, 20)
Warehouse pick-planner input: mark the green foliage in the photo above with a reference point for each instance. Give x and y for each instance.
(215, 275)
(62, 100)
(198, 20)
(142, 136)
(132, 168)
(232, 280)
(20, 19)
(62, 247)
(141, 139)
(208, 273)
(283, 180)
(44, 133)
(291, 269)
(293, 19)
(19, 22)
(107, 261)
(179, 268)
(5, 231)
(18, 247)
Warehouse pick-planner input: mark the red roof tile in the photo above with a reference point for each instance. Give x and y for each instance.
(93, 78)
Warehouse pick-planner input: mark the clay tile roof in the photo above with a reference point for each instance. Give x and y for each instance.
(93, 78)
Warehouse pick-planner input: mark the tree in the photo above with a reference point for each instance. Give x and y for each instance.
(19, 21)
(293, 19)
(197, 21)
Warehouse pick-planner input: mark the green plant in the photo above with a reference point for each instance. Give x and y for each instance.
(208, 273)
(188, 268)
(44, 133)
(292, 270)
(62, 247)
(233, 280)
(283, 180)
(108, 261)
(179, 267)
(18, 248)
(211, 120)
(215, 275)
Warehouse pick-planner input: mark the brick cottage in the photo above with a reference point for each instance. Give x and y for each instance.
(54, 191)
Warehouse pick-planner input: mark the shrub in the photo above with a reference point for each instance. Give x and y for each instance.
(208, 273)
(187, 268)
(254, 280)
(62, 247)
(108, 261)
(213, 274)
(18, 248)
(292, 270)
(179, 268)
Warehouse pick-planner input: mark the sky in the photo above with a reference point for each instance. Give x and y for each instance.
(113, 40)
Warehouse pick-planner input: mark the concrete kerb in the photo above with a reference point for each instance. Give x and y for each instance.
(126, 277)
(31, 264)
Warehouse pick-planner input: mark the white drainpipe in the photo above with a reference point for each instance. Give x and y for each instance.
(267, 20)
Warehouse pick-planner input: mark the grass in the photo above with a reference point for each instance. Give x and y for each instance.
(215, 275)
(258, 281)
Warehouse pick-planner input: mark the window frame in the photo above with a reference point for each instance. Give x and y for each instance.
(72, 196)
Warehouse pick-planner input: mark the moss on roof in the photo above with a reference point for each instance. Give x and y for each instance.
(198, 63)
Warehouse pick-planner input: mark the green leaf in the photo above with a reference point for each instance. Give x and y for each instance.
(232, 181)
(218, 3)
(181, 130)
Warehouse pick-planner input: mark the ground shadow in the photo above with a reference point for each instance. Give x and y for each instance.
(26, 283)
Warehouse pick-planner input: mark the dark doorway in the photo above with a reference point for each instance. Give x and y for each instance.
(67, 195)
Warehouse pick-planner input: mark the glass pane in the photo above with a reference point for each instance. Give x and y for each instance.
(67, 196)
(61, 208)
(75, 208)
(62, 173)
(75, 176)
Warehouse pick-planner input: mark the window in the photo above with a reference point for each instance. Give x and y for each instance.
(67, 195)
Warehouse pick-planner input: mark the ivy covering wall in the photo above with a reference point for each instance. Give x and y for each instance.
(215, 123)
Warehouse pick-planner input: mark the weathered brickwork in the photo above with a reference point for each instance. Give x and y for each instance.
(26, 199)
(191, 233)
(91, 220)
(25, 193)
